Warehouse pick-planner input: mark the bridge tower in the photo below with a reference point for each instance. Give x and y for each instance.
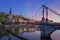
(46, 14)
(46, 27)
(43, 14)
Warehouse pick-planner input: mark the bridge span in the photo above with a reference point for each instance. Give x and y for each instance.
(46, 26)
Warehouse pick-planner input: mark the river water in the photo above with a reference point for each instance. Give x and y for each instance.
(29, 35)
(34, 36)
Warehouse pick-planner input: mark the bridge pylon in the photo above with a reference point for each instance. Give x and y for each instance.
(43, 14)
(46, 27)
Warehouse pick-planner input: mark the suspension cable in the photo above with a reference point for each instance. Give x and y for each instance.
(52, 10)
(36, 12)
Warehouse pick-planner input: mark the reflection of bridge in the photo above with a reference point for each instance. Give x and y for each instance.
(46, 26)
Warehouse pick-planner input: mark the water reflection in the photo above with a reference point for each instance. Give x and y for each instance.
(29, 35)
(34, 36)
(55, 35)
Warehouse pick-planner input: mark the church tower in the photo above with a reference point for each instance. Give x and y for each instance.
(10, 13)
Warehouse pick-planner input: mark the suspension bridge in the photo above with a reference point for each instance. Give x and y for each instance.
(45, 26)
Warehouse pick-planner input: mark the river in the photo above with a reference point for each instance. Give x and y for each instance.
(34, 36)
(29, 35)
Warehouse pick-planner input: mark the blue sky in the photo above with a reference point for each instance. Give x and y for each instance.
(28, 8)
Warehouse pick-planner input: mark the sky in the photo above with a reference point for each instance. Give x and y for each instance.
(28, 8)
